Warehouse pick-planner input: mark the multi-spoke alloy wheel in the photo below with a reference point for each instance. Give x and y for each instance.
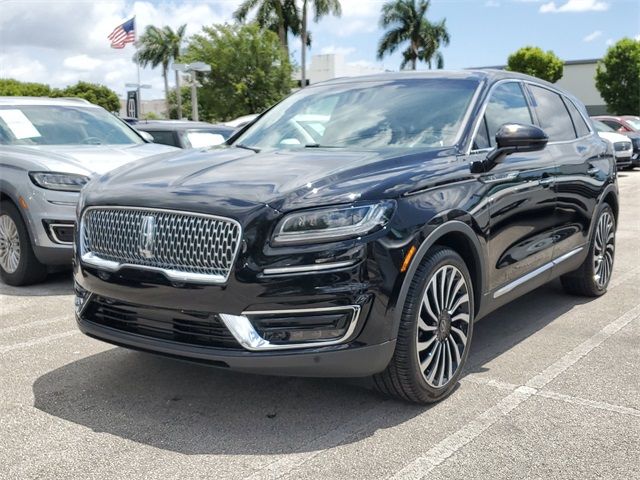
(443, 325)
(435, 331)
(9, 244)
(603, 249)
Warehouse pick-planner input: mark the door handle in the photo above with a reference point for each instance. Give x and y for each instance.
(547, 181)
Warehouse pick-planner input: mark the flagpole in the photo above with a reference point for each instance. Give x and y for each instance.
(139, 100)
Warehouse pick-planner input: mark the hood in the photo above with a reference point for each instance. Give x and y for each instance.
(613, 137)
(215, 180)
(90, 159)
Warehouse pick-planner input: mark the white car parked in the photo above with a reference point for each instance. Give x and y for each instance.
(620, 144)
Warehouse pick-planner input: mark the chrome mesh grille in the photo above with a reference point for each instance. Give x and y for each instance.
(182, 242)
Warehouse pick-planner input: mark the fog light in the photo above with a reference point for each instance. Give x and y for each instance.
(302, 328)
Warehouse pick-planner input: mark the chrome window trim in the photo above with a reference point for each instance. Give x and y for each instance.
(173, 275)
(483, 108)
(533, 274)
(308, 268)
(246, 335)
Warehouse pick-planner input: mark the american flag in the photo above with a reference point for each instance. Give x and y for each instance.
(123, 34)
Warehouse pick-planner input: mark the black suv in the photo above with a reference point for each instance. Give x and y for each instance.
(357, 228)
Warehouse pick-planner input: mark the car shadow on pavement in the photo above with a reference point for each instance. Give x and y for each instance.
(194, 409)
(56, 283)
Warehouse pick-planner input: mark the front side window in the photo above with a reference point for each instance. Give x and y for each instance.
(552, 114)
(507, 104)
(62, 125)
(410, 113)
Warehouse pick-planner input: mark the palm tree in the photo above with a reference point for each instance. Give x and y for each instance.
(161, 46)
(280, 16)
(175, 40)
(405, 21)
(319, 8)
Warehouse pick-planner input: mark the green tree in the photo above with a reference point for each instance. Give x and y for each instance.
(406, 21)
(175, 41)
(618, 77)
(93, 92)
(279, 16)
(14, 88)
(534, 61)
(185, 100)
(249, 70)
(319, 8)
(160, 47)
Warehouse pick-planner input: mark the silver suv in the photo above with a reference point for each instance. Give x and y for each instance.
(49, 149)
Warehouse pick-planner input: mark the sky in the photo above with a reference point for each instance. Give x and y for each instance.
(62, 41)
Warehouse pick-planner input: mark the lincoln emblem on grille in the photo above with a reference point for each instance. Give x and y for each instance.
(147, 236)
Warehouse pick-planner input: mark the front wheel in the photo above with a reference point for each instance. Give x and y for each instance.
(18, 264)
(435, 331)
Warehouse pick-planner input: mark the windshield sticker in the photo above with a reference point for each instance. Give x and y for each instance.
(19, 124)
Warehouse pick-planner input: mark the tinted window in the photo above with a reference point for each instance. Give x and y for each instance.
(62, 125)
(506, 105)
(612, 124)
(578, 120)
(410, 113)
(552, 114)
(164, 137)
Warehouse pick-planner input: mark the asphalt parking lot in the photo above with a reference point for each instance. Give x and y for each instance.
(552, 390)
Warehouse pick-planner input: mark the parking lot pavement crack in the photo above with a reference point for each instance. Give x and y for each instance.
(439, 453)
(37, 341)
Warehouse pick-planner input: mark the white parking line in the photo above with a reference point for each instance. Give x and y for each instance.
(37, 341)
(553, 395)
(37, 323)
(439, 453)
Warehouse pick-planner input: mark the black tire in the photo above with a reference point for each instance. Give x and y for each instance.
(29, 270)
(404, 377)
(584, 281)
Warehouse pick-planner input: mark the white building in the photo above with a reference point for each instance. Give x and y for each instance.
(334, 65)
(579, 78)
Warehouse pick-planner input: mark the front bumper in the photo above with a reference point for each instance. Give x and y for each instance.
(50, 213)
(343, 361)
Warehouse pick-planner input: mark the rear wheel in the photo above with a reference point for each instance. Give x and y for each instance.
(18, 264)
(592, 278)
(435, 331)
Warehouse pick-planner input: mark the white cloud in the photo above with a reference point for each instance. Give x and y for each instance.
(575, 6)
(22, 68)
(637, 37)
(610, 42)
(492, 3)
(337, 50)
(82, 62)
(592, 36)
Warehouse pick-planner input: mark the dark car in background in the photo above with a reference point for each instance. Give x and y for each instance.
(185, 134)
(360, 227)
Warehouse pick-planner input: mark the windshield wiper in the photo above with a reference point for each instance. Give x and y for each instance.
(246, 147)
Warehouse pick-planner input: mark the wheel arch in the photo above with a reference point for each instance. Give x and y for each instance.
(461, 238)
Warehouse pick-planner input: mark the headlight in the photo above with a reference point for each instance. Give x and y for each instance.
(332, 224)
(66, 182)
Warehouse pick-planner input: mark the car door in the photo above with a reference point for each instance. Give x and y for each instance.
(582, 167)
(521, 195)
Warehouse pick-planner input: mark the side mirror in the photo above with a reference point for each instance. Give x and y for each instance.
(512, 138)
(147, 136)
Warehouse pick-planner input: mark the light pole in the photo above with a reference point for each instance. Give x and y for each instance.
(138, 86)
(193, 68)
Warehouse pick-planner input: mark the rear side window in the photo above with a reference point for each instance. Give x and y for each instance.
(578, 120)
(164, 137)
(553, 114)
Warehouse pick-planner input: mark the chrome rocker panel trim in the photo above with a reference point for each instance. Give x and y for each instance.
(241, 328)
(539, 271)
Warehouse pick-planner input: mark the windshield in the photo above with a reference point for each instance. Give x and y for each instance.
(62, 125)
(413, 113)
(602, 127)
